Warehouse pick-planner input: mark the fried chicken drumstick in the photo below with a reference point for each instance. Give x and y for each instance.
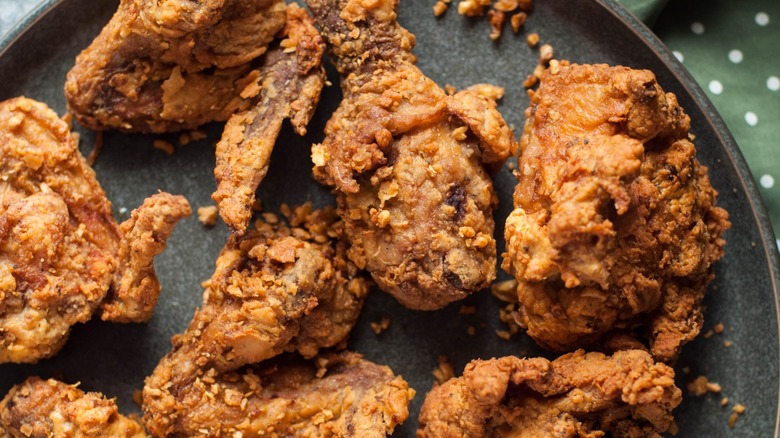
(577, 395)
(276, 289)
(48, 408)
(615, 225)
(169, 65)
(61, 250)
(407, 162)
(291, 79)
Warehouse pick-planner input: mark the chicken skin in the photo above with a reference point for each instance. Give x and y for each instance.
(408, 162)
(577, 395)
(332, 395)
(615, 230)
(290, 81)
(61, 250)
(161, 66)
(48, 408)
(276, 289)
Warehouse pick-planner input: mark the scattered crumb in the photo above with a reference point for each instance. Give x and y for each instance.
(467, 310)
(208, 215)
(507, 316)
(164, 146)
(517, 21)
(532, 39)
(138, 397)
(701, 385)
(724, 401)
(686, 370)
(379, 327)
(503, 334)
(673, 429)
(511, 165)
(545, 54)
(270, 218)
(727, 343)
(496, 20)
(497, 12)
(736, 411)
(92, 157)
(471, 330)
(440, 7)
(444, 371)
(718, 328)
(505, 291)
(708, 334)
(490, 91)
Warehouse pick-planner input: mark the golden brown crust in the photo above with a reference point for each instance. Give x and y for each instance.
(47, 408)
(577, 395)
(615, 224)
(59, 243)
(276, 289)
(288, 86)
(407, 162)
(161, 66)
(134, 287)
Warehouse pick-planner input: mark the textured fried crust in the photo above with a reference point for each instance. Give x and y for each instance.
(59, 243)
(275, 289)
(333, 395)
(134, 287)
(291, 78)
(577, 395)
(407, 162)
(48, 408)
(615, 224)
(168, 65)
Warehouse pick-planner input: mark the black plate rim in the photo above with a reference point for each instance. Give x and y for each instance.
(768, 241)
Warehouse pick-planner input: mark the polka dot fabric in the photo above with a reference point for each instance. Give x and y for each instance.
(732, 49)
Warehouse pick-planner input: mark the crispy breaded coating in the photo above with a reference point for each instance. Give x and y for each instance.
(577, 395)
(169, 65)
(332, 395)
(615, 224)
(291, 78)
(408, 162)
(48, 408)
(59, 243)
(276, 289)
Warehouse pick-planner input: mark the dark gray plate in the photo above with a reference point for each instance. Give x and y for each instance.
(114, 359)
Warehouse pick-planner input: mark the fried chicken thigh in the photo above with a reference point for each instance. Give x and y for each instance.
(289, 86)
(276, 289)
(60, 247)
(615, 227)
(48, 408)
(168, 65)
(408, 162)
(577, 395)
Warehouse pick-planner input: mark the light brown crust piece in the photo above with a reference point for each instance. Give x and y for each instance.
(289, 84)
(615, 224)
(47, 408)
(408, 163)
(577, 395)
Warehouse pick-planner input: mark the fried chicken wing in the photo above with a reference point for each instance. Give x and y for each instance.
(169, 65)
(615, 225)
(291, 78)
(577, 395)
(407, 162)
(60, 246)
(48, 408)
(275, 290)
(333, 395)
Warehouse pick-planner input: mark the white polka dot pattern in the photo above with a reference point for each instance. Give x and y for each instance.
(735, 56)
(697, 28)
(767, 181)
(751, 118)
(716, 87)
(773, 83)
(762, 19)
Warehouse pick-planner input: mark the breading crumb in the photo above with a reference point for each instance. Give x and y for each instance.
(736, 411)
(701, 385)
(439, 8)
(444, 371)
(164, 146)
(467, 310)
(532, 39)
(208, 215)
(93, 154)
(517, 21)
(471, 330)
(727, 344)
(724, 401)
(379, 327)
(496, 20)
(718, 328)
(505, 291)
(503, 334)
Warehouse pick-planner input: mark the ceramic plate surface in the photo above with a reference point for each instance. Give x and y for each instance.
(114, 359)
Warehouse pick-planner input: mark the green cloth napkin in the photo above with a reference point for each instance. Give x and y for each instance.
(732, 49)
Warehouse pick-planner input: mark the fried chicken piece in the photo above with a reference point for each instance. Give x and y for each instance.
(407, 161)
(615, 225)
(60, 246)
(169, 65)
(577, 395)
(47, 408)
(291, 80)
(333, 395)
(275, 290)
